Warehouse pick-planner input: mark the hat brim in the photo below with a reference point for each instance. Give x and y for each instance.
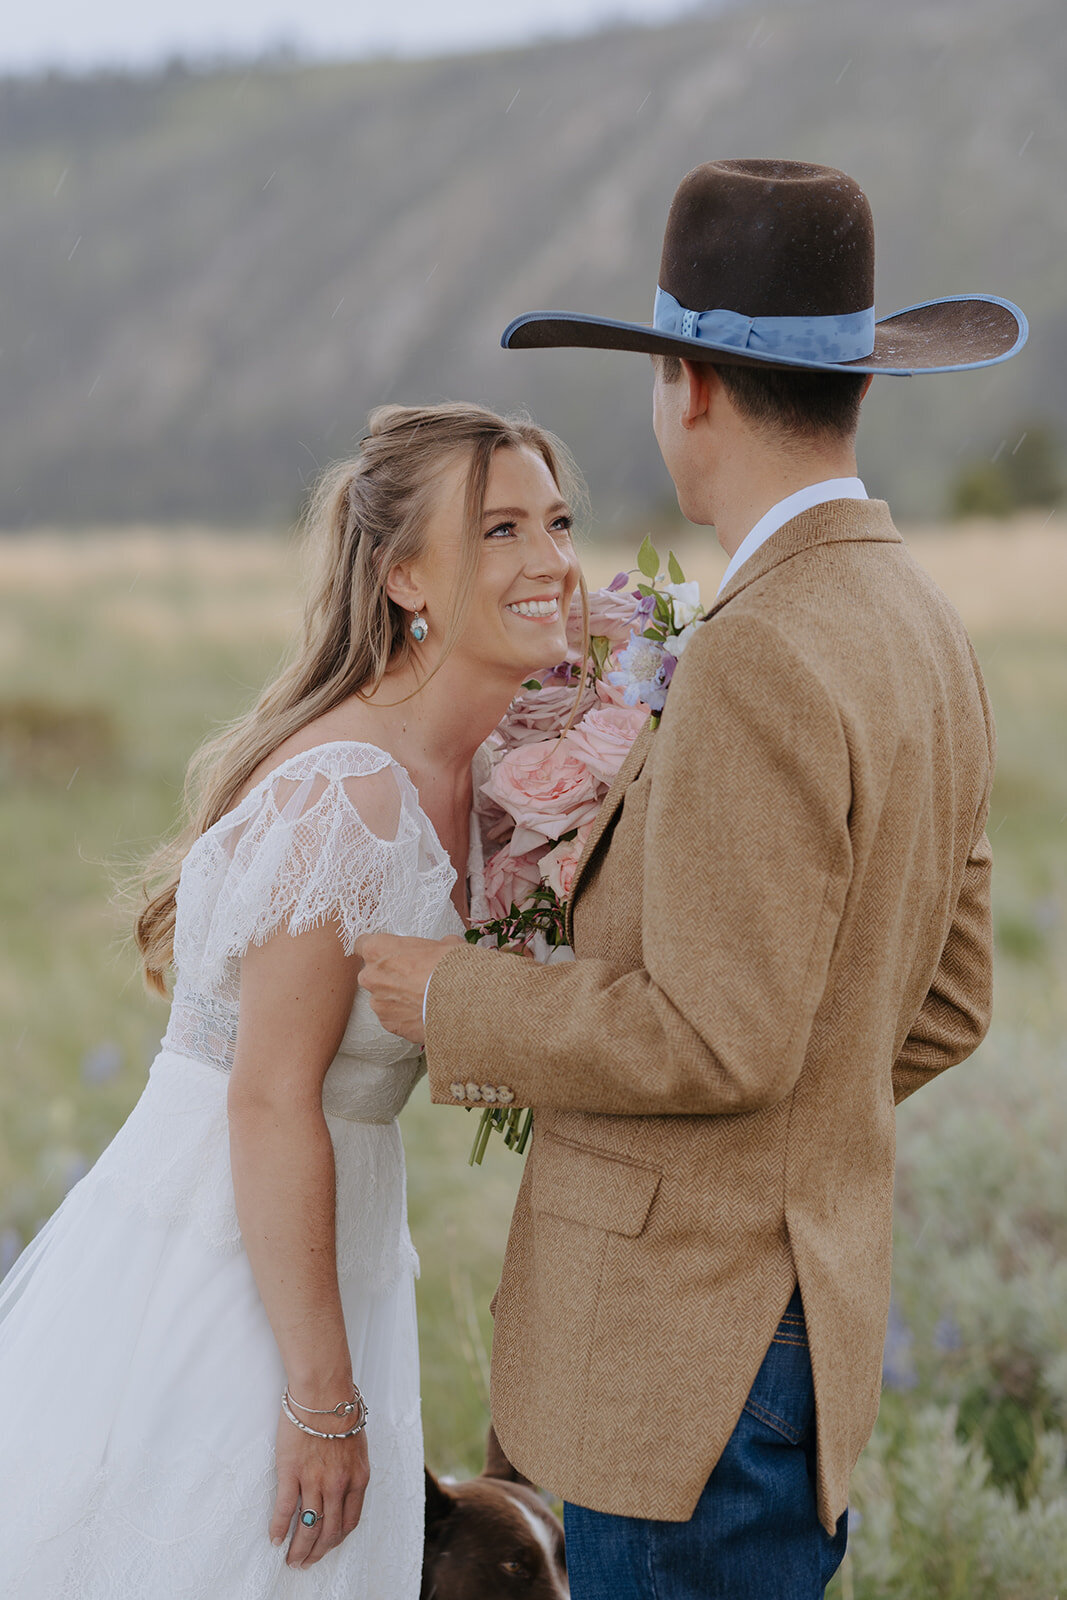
(949, 335)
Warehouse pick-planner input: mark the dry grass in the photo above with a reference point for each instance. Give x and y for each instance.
(999, 574)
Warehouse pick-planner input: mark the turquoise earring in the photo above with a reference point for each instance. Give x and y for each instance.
(419, 628)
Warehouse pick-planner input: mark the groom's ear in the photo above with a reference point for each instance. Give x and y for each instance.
(702, 383)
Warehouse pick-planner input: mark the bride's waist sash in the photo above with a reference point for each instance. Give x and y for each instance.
(171, 1160)
(369, 1080)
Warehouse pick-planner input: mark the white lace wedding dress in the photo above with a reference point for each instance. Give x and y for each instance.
(139, 1379)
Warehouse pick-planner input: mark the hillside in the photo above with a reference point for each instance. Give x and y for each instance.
(208, 277)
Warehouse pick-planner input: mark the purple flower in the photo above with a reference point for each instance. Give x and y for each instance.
(947, 1336)
(619, 581)
(898, 1367)
(102, 1064)
(643, 673)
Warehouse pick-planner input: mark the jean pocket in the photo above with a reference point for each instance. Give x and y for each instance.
(783, 1395)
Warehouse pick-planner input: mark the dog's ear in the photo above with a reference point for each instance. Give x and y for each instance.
(440, 1503)
(497, 1464)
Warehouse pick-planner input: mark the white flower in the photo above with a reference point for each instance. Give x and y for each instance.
(676, 646)
(642, 675)
(686, 602)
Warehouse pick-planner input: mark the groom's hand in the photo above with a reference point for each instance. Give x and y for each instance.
(395, 973)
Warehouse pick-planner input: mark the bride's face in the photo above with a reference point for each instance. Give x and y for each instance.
(516, 621)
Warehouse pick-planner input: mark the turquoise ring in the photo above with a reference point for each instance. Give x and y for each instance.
(309, 1518)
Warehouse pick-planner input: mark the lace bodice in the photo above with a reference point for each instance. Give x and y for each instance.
(334, 833)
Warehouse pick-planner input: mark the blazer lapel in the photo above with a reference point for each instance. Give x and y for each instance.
(626, 774)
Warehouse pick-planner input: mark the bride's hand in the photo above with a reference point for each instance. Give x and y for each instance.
(329, 1476)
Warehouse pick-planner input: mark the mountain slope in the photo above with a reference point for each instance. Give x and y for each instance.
(207, 279)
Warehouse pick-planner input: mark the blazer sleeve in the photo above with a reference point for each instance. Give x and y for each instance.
(746, 866)
(955, 1015)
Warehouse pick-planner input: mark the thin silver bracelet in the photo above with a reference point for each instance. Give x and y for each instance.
(316, 1433)
(343, 1408)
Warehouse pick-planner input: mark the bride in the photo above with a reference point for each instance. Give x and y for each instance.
(244, 1236)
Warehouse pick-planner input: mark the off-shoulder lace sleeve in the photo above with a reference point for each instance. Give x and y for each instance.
(333, 836)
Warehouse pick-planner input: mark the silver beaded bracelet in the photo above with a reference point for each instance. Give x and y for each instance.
(316, 1433)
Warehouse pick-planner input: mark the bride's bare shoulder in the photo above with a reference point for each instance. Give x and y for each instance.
(345, 724)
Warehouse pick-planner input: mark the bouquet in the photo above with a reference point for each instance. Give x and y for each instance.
(555, 753)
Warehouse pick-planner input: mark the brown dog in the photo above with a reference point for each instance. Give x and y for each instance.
(491, 1538)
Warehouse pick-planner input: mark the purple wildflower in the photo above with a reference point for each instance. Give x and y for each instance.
(102, 1064)
(898, 1367)
(947, 1335)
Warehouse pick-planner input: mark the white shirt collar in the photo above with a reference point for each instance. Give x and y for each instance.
(815, 494)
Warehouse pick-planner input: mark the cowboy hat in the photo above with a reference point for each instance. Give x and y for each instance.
(771, 263)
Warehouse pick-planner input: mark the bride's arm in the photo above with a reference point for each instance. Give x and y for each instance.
(296, 997)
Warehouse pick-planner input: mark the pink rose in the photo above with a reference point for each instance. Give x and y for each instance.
(547, 789)
(560, 864)
(604, 736)
(608, 693)
(610, 617)
(535, 714)
(509, 880)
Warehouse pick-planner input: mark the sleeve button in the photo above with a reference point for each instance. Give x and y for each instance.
(459, 1091)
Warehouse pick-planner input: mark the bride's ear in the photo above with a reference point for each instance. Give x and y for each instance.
(403, 589)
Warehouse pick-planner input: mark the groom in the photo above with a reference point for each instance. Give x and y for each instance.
(782, 927)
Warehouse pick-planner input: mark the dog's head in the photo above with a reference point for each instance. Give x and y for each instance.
(491, 1538)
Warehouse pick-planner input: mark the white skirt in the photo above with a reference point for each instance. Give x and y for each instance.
(140, 1381)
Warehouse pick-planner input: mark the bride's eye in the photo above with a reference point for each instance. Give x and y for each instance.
(502, 529)
(564, 523)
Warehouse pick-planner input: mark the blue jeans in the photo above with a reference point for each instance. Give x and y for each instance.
(755, 1533)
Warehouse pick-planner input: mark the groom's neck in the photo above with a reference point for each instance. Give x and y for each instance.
(748, 475)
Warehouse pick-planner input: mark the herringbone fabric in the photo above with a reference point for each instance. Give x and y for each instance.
(782, 926)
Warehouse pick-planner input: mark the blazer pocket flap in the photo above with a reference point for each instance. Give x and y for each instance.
(584, 1185)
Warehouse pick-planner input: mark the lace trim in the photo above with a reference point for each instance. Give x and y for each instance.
(298, 852)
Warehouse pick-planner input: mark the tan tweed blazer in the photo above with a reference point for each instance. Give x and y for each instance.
(782, 927)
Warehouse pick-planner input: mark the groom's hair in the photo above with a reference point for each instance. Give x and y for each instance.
(798, 406)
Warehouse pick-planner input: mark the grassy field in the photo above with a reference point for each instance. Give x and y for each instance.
(119, 651)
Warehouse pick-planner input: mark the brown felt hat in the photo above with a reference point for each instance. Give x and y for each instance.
(771, 263)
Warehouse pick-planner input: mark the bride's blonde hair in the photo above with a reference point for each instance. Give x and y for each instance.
(365, 516)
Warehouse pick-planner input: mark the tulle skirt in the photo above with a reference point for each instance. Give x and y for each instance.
(140, 1381)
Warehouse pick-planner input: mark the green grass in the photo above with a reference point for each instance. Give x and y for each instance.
(118, 657)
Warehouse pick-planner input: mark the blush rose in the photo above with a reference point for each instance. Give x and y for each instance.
(547, 789)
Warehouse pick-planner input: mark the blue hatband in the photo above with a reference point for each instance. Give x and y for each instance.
(836, 338)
